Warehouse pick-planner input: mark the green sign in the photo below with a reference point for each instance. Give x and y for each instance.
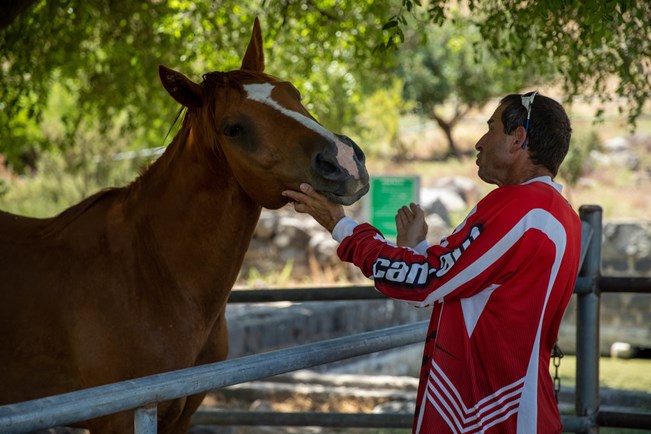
(387, 195)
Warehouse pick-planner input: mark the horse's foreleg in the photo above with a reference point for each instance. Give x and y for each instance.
(177, 418)
(112, 424)
(179, 423)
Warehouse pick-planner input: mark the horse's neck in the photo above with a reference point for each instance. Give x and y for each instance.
(194, 218)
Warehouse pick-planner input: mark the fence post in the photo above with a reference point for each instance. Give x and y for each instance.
(587, 331)
(145, 420)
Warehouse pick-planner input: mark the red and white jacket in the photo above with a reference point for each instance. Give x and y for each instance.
(499, 285)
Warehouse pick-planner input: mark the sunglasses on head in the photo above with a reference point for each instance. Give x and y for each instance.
(527, 102)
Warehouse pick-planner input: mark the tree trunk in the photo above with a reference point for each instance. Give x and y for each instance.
(448, 126)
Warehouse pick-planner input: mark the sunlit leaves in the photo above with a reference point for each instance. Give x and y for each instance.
(591, 43)
(106, 52)
(454, 71)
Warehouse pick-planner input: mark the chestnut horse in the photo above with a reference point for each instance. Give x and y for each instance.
(134, 281)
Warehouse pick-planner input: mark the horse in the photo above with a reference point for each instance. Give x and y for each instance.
(134, 281)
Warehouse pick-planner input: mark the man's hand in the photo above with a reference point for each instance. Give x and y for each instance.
(308, 201)
(411, 225)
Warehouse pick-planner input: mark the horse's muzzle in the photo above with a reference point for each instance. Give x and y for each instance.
(340, 171)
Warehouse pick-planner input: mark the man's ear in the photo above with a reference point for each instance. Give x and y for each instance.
(183, 90)
(520, 134)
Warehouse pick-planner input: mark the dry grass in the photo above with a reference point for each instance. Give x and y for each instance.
(633, 374)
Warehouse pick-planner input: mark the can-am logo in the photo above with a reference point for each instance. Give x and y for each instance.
(417, 274)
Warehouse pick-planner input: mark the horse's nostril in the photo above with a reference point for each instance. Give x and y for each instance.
(325, 166)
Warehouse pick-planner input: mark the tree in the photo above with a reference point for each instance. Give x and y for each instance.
(600, 48)
(105, 54)
(451, 69)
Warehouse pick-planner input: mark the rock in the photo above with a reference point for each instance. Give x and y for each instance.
(451, 199)
(616, 144)
(625, 245)
(266, 227)
(465, 187)
(261, 405)
(323, 248)
(291, 233)
(437, 229)
(619, 151)
(622, 350)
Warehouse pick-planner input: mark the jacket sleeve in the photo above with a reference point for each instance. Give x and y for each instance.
(462, 265)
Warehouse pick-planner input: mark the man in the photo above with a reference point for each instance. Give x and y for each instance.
(499, 284)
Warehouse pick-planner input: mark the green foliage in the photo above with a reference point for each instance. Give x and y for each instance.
(378, 121)
(54, 189)
(75, 68)
(64, 177)
(448, 72)
(90, 48)
(452, 64)
(591, 43)
(106, 54)
(576, 163)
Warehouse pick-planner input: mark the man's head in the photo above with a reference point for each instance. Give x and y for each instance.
(516, 149)
(549, 130)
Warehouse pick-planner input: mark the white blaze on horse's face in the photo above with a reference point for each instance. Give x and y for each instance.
(261, 92)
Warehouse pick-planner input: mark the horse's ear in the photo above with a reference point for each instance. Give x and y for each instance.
(254, 57)
(182, 89)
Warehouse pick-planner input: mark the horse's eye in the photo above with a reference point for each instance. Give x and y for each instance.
(232, 130)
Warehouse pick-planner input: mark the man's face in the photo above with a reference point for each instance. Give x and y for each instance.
(495, 152)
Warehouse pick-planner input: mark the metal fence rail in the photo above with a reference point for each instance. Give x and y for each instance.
(112, 398)
(142, 394)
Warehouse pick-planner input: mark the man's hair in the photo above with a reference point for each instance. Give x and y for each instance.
(550, 131)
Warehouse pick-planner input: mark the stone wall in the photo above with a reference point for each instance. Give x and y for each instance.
(626, 317)
(626, 248)
(269, 326)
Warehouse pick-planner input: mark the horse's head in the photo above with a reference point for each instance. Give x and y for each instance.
(257, 125)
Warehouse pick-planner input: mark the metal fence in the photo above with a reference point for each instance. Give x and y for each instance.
(143, 394)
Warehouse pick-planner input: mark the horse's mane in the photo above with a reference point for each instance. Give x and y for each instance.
(232, 78)
(59, 222)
